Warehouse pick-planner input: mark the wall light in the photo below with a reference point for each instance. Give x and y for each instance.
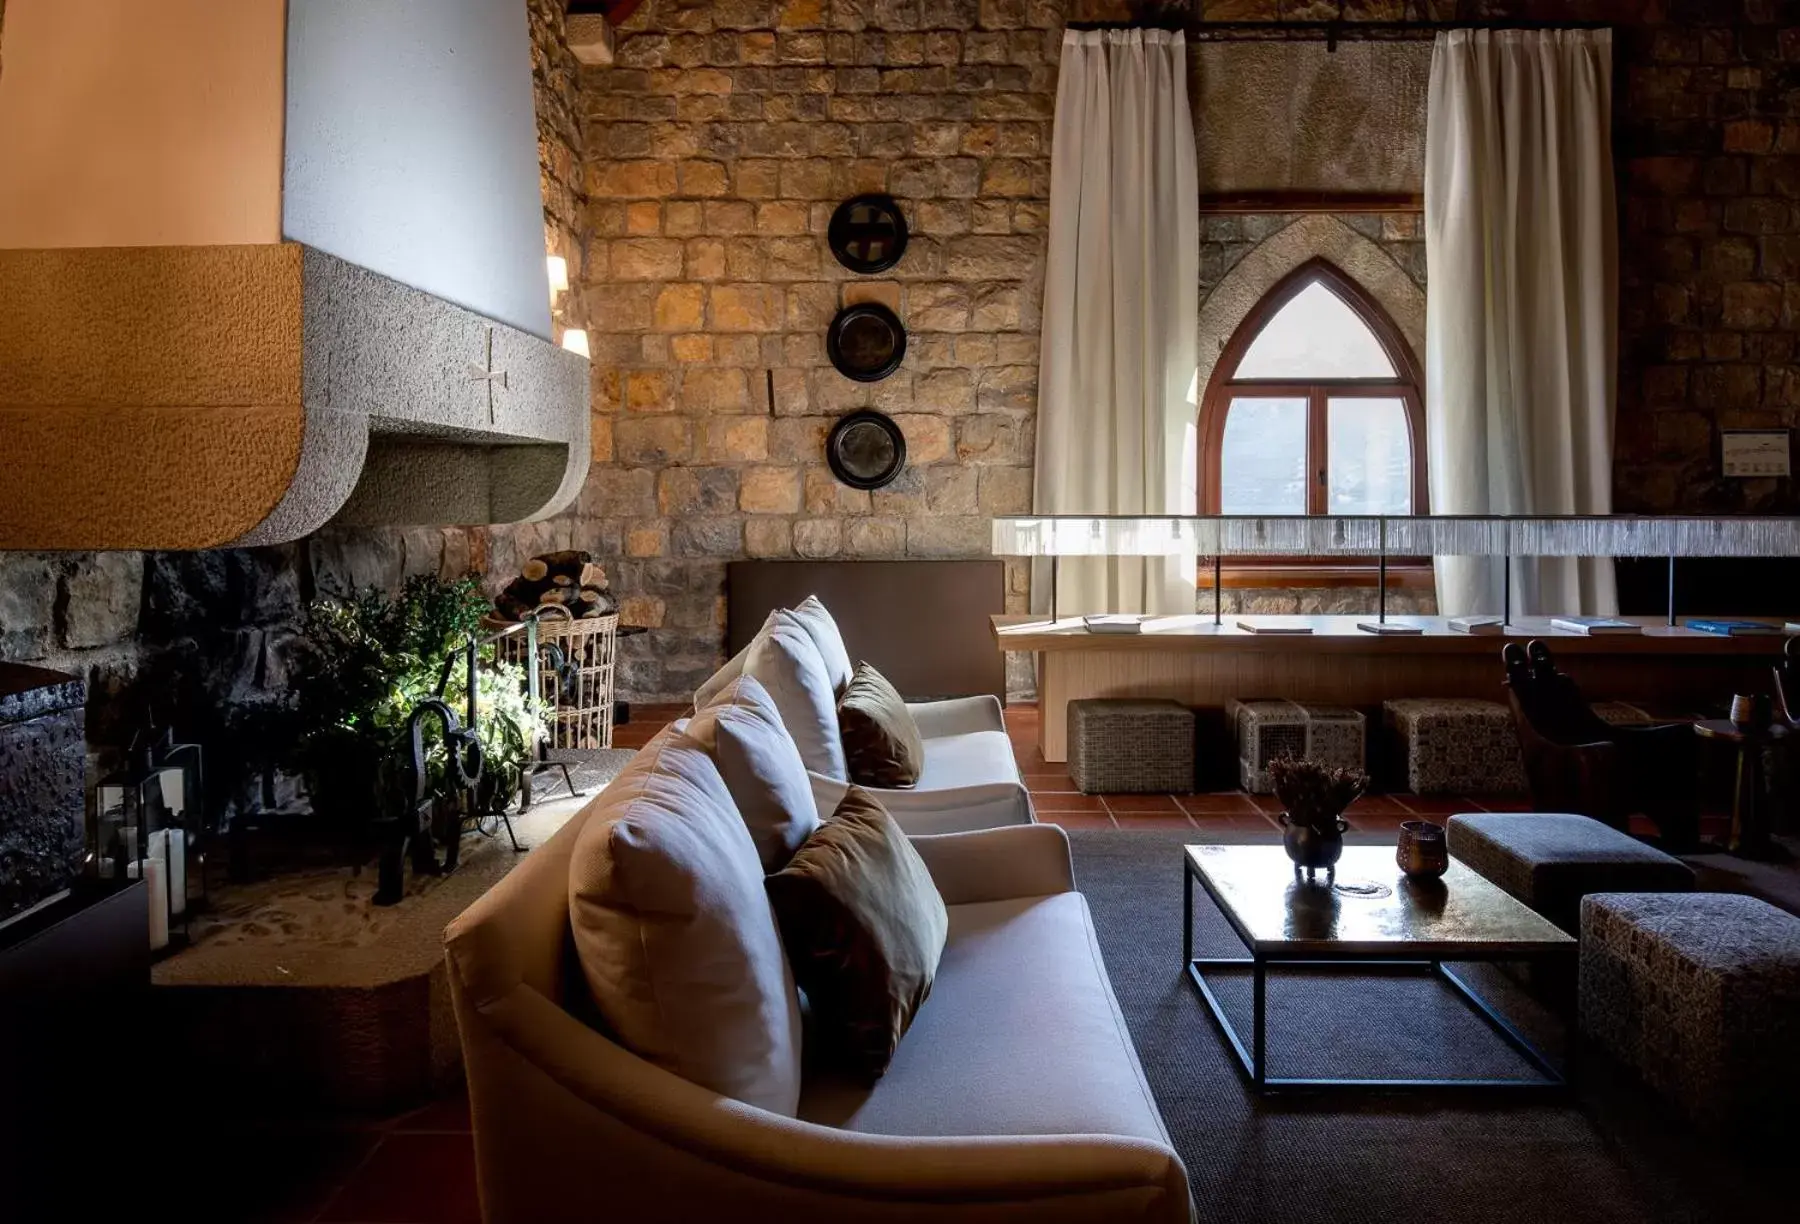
(558, 269)
(575, 340)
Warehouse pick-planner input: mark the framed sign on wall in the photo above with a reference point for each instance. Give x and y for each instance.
(1756, 452)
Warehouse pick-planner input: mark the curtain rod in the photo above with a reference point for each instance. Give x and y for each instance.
(1332, 32)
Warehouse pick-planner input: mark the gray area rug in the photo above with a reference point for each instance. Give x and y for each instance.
(1615, 1155)
(592, 769)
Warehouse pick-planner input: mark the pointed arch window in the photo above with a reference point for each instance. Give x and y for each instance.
(1314, 407)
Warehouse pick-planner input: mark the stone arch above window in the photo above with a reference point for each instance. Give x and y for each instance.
(1313, 406)
(1274, 259)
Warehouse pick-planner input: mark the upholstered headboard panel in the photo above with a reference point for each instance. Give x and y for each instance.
(923, 624)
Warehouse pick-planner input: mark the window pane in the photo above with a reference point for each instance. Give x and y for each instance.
(1262, 462)
(1315, 336)
(1370, 469)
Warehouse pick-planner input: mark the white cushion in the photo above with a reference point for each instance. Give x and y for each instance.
(975, 758)
(784, 661)
(824, 632)
(1021, 1036)
(675, 934)
(761, 767)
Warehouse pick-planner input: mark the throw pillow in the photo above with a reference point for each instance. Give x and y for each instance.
(881, 739)
(823, 630)
(864, 928)
(761, 767)
(675, 933)
(784, 661)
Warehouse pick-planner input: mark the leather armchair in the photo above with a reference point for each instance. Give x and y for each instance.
(1578, 762)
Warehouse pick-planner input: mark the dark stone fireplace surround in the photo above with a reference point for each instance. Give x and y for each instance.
(42, 766)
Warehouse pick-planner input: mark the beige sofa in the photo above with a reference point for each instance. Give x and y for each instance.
(1015, 1096)
(970, 779)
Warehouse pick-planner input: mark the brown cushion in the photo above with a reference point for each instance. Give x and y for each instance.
(881, 741)
(864, 927)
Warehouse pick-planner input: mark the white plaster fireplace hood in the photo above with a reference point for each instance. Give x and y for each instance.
(267, 264)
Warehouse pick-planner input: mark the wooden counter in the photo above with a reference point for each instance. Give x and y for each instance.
(1191, 660)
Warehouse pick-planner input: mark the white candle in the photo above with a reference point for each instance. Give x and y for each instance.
(159, 903)
(176, 855)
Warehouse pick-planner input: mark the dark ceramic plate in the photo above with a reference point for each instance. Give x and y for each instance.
(866, 450)
(866, 342)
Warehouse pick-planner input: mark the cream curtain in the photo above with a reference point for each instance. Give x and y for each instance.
(1521, 333)
(1116, 416)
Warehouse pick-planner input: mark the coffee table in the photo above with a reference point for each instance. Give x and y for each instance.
(1410, 926)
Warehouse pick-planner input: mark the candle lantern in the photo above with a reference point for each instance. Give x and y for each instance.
(147, 825)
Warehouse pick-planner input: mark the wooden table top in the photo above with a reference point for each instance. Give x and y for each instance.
(1339, 634)
(1725, 729)
(1425, 919)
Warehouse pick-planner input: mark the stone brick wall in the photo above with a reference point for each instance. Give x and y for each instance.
(1708, 147)
(719, 144)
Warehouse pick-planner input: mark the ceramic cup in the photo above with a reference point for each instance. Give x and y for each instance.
(1422, 850)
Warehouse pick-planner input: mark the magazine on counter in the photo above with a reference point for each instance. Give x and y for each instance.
(1595, 625)
(1113, 623)
(1269, 626)
(1478, 624)
(1733, 628)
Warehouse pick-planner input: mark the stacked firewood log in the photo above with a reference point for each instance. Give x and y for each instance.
(569, 578)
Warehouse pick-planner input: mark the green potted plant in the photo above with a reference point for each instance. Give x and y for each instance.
(1314, 796)
(367, 662)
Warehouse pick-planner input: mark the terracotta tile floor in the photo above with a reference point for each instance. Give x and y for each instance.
(419, 1168)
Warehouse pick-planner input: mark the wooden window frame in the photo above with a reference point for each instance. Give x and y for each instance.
(1222, 388)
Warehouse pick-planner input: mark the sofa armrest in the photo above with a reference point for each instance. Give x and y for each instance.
(998, 864)
(570, 1126)
(957, 716)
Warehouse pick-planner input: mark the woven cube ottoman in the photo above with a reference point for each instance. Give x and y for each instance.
(1456, 746)
(1551, 860)
(1700, 994)
(1119, 745)
(1267, 728)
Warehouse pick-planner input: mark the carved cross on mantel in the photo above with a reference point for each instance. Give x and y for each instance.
(485, 372)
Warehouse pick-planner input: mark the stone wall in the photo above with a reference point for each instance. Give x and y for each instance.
(719, 143)
(1708, 149)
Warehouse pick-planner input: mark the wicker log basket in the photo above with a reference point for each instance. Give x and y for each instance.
(575, 661)
(577, 639)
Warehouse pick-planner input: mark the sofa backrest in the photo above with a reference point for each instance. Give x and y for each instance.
(518, 931)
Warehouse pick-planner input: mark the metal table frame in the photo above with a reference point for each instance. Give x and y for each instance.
(1254, 1064)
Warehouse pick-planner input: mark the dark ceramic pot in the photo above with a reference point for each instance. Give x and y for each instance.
(1421, 851)
(1312, 848)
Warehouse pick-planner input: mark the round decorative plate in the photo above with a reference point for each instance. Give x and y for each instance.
(866, 342)
(868, 233)
(866, 450)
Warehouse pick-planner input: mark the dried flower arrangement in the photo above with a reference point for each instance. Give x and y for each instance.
(1316, 794)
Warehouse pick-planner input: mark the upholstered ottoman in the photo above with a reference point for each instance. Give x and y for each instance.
(1118, 745)
(1270, 728)
(1551, 860)
(1456, 746)
(1700, 994)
